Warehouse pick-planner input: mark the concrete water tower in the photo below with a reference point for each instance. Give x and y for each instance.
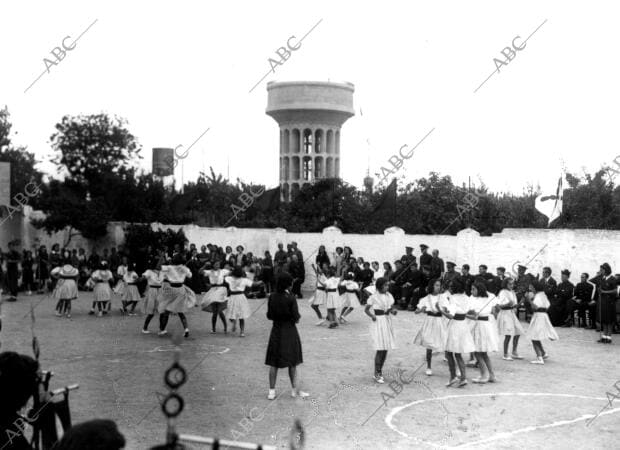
(310, 115)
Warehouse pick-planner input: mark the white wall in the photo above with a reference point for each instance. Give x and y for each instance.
(577, 250)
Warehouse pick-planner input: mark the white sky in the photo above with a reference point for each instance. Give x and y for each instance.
(174, 69)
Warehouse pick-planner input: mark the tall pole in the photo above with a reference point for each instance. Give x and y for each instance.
(394, 207)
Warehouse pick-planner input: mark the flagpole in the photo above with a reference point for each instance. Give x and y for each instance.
(395, 197)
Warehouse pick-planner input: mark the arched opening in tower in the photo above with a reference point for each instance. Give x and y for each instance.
(307, 141)
(307, 170)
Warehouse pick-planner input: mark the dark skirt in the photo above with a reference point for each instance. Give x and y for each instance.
(284, 349)
(608, 310)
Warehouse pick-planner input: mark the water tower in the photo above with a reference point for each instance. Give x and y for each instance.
(310, 115)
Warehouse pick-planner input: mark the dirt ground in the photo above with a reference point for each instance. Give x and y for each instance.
(120, 373)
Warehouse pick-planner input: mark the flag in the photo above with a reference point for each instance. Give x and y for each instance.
(550, 204)
(387, 202)
(269, 201)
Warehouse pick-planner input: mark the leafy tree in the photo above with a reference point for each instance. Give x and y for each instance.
(95, 154)
(93, 145)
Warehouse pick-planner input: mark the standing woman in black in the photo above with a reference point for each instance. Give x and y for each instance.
(608, 291)
(284, 348)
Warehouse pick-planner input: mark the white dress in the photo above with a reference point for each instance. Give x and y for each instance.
(507, 321)
(540, 325)
(66, 287)
(459, 337)
(102, 291)
(484, 332)
(320, 296)
(155, 280)
(381, 330)
(433, 333)
(333, 298)
(131, 293)
(238, 306)
(175, 297)
(119, 289)
(217, 292)
(349, 297)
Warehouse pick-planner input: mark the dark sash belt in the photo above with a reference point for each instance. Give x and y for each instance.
(459, 317)
(64, 277)
(175, 285)
(482, 318)
(350, 291)
(155, 286)
(541, 310)
(236, 292)
(331, 290)
(132, 284)
(379, 312)
(506, 307)
(320, 288)
(217, 285)
(433, 314)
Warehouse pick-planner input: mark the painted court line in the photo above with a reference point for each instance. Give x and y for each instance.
(499, 436)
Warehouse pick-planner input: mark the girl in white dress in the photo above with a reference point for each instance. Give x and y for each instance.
(66, 288)
(459, 339)
(432, 335)
(102, 291)
(214, 300)
(480, 310)
(333, 299)
(540, 326)
(175, 297)
(131, 294)
(508, 324)
(238, 306)
(378, 307)
(155, 280)
(349, 298)
(320, 296)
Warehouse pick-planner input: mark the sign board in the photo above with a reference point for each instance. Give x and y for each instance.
(5, 183)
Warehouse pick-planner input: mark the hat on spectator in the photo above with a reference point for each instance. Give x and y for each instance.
(566, 272)
(423, 246)
(503, 269)
(408, 249)
(450, 264)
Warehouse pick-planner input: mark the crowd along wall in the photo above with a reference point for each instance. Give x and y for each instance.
(575, 250)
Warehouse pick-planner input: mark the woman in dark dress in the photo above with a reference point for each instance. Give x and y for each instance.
(284, 349)
(607, 290)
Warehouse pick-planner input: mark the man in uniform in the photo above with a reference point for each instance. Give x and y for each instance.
(408, 257)
(549, 284)
(397, 280)
(496, 283)
(559, 308)
(450, 275)
(437, 265)
(485, 277)
(583, 301)
(466, 278)
(425, 258)
(414, 287)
